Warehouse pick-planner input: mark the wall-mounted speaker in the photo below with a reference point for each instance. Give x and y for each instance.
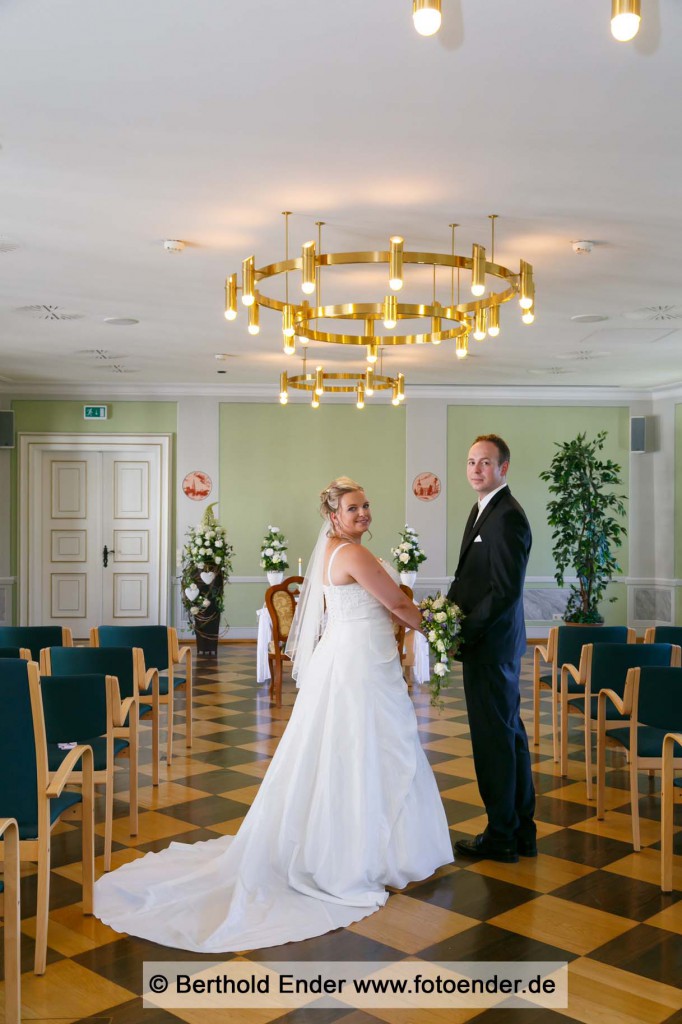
(6, 428)
(641, 439)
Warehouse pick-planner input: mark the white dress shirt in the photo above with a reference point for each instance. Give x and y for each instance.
(484, 501)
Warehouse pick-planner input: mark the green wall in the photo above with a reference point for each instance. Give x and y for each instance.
(678, 504)
(531, 433)
(274, 462)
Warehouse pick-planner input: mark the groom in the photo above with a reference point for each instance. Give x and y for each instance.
(488, 587)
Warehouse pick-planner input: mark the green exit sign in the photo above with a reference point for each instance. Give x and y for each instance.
(94, 412)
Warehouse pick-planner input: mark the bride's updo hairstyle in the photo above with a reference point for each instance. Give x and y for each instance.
(331, 496)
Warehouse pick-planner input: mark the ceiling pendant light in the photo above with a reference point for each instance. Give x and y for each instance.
(254, 319)
(231, 297)
(529, 315)
(494, 321)
(369, 381)
(527, 286)
(283, 388)
(480, 325)
(361, 395)
(248, 280)
(477, 270)
(319, 380)
(395, 263)
(288, 344)
(626, 17)
(401, 387)
(308, 268)
(390, 312)
(372, 353)
(395, 400)
(462, 346)
(426, 16)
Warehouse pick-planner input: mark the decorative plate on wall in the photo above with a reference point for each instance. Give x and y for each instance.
(197, 485)
(426, 486)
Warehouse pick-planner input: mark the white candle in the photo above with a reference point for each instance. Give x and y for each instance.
(300, 567)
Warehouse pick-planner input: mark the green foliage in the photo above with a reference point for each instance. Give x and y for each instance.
(586, 515)
(206, 551)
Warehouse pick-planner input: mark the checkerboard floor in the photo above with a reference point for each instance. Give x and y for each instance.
(587, 899)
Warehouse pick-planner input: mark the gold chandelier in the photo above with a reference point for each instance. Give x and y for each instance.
(355, 323)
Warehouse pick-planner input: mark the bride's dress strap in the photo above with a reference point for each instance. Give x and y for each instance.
(331, 560)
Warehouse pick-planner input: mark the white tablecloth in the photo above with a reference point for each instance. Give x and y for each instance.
(420, 669)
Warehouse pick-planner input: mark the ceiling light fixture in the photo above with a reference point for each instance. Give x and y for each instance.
(426, 15)
(439, 318)
(626, 16)
(319, 383)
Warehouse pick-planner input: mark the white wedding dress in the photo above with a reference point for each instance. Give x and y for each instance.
(348, 806)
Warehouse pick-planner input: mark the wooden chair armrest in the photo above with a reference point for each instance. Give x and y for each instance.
(122, 710)
(542, 652)
(183, 653)
(617, 701)
(571, 670)
(61, 776)
(10, 826)
(149, 678)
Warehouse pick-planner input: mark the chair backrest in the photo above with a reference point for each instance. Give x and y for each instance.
(398, 628)
(153, 640)
(75, 707)
(660, 698)
(280, 601)
(35, 638)
(571, 640)
(122, 662)
(23, 755)
(610, 663)
(11, 652)
(664, 635)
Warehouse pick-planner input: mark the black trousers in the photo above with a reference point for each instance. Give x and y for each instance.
(500, 746)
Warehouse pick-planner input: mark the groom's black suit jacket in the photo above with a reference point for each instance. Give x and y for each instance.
(488, 584)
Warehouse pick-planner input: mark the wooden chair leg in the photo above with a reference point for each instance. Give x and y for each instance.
(536, 712)
(156, 712)
(601, 767)
(667, 816)
(88, 826)
(12, 925)
(188, 702)
(564, 727)
(170, 721)
(43, 900)
(555, 721)
(588, 754)
(278, 682)
(109, 805)
(634, 803)
(133, 765)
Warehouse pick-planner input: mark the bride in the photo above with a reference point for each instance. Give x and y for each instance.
(349, 804)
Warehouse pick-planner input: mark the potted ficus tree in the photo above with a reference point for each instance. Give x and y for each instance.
(586, 514)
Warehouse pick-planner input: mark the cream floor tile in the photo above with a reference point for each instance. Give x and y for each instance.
(226, 828)
(411, 925)
(461, 766)
(70, 991)
(152, 825)
(74, 871)
(444, 728)
(557, 922)
(645, 866)
(255, 768)
(472, 826)
(600, 994)
(541, 873)
(164, 795)
(577, 794)
(670, 918)
(243, 796)
(467, 794)
(71, 932)
(450, 745)
(261, 746)
(179, 769)
(619, 826)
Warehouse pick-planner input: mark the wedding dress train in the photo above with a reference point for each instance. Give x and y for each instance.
(348, 806)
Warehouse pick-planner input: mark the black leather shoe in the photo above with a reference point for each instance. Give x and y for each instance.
(527, 847)
(482, 847)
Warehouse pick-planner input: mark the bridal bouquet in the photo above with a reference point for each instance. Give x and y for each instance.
(273, 551)
(408, 556)
(442, 622)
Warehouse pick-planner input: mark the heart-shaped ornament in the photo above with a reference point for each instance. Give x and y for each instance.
(207, 577)
(192, 591)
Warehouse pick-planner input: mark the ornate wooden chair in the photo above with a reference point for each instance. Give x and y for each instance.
(671, 793)
(88, 709)
(162, 651)
(280, 601)
(35, 638)
(36, 797)
(10, 912)
(652, 701)
(405, 649)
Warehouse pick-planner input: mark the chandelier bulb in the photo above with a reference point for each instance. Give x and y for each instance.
(231, 297)
(395, 263)
(248, 280)
(289, 345)
(283, 399)
(308, 268)
(401, 387)
(527, 286)
(254, 319)
(480, 327)
(528, 315)
(390, 312)
(361, 396)
(494, 321)
(288, 321)
(625, 19)
(319, 381)
(477, 270)
(369, 381)
(372, 353)
(426, 15)
(462, 346)
(395, 400)
(315, 402)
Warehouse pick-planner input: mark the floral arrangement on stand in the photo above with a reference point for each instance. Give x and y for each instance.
(442, 623)
(273, 552)
(206, 567)
(408, 556)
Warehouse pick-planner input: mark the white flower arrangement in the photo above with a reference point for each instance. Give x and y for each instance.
(408, 556)
(206, 566)
(442, 622)
(273, 551)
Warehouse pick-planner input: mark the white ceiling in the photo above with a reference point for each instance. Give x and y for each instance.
(127, 122)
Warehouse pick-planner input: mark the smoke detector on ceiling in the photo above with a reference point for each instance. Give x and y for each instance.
(173, 245)
(582, 247)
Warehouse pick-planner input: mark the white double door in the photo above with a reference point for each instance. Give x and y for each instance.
(97, 535)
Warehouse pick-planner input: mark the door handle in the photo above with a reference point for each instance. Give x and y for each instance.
(105, 555)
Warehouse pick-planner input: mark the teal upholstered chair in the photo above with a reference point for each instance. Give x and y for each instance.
(564, 644)
(35, 638)
(604, 667)
(34, 796)
(127, 665)
(10, 912)
(671, 793)
(652, 702)
(162, 652)
(664, 635)
(15, 652)
(87, 709)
